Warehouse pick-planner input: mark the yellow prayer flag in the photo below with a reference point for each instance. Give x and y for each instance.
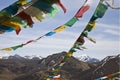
(93, 24)
(14, 25)
(22, 2)
(47, 79)
(7, 49)
(61, 28)
(69, 54)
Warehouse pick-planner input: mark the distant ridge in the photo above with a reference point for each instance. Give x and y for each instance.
(38, 69)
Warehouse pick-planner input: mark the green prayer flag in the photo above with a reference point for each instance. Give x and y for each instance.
(54, 12)
(77, 45)
(71, 21)
(99, 12)
(72, 50)
(55, 71)
(101, 9)
(91, 25)
(58, 67)
(16, 47)
(4, 13)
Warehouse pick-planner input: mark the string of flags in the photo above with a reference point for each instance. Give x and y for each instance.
(70, 23)
(114, 76)
(78, 45)
(27, 6)
(24, 13)
(54, 77)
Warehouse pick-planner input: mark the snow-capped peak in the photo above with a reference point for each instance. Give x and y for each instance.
(33, 57)
(86, 58)
(16, 56)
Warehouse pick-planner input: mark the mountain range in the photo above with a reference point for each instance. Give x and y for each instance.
(83, 58)
(37, 68)
(16, 56)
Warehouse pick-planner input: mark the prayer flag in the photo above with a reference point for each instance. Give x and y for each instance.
(7, 49)
(91, 25)
(62, 6)
(26, 17)
(83, 9)
(99, 12)
(71, 22)
(46, 7)
(14, 25)
(16, 47)
(50, 33)
(61, 28)
(54, 12)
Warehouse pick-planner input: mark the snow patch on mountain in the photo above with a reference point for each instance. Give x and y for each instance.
(16, 56)
(86, 58)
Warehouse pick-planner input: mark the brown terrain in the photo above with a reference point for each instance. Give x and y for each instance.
(74, 69)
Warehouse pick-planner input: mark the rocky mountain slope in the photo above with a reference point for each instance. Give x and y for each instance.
(74, 69)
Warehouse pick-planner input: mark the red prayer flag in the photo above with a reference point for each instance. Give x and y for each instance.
(81, 11)
(62, 6)
(29, 42)
(26, 17)
(56, 79)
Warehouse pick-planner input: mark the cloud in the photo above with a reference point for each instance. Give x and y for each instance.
(106, 31)
(107, 26)
(113, 32)
(52, 43)
(101, 49)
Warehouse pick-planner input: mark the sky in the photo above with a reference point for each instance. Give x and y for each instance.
(106, 33)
